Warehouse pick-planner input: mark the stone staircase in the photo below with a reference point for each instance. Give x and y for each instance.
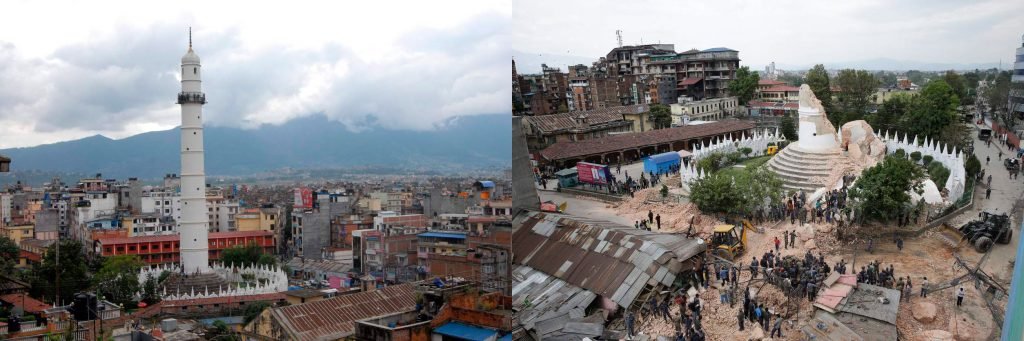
(798, 168)
(199, 282)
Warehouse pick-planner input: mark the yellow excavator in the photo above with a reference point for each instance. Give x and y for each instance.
(729, 241)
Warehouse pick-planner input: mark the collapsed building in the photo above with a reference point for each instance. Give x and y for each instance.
(573, 272)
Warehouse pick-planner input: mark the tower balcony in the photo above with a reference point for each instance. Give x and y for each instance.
(191, 97)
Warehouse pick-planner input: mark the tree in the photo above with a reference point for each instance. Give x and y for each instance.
(247, 256)
(711, 162)
(717, 193)
(118, 279)
(286, 235)
(660, 115)
(917, 77)
(971, 80)
(932, 110)
(998, 93)
(736, 195)
(956, 135)
(787, 127)
(73, 272)
(956, 82)
(818, 81)
(220, 331)
(938, 173)
(253, 310)
(9, 252)
(891, 112)
(885, 78)
(149, 290)
(744, 85)
(855, 90)
(916, 156)
(882, 192)
(972, 166)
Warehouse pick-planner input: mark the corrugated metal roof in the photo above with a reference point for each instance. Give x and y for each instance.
(611, 260)
(549, 124)
(334, 318)
(572, 149)
(552, 301)
(864, 302)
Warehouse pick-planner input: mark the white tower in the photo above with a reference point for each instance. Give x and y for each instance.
(816, 132)
(193, 226)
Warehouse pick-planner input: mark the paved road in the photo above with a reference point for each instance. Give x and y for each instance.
(1006, 194)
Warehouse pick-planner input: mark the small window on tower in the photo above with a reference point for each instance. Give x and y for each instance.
(195, 70)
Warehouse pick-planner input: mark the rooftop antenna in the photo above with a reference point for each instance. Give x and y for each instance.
(618, 35)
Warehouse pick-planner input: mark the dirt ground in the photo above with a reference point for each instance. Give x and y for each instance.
(924, 256)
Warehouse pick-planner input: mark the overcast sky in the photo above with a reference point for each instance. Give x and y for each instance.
(785, 31)
(71, 69)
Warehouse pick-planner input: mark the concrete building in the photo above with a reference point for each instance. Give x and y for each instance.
(579, 94)
(779, 93)
(18, 232)
(390, 254)
(766, 108)
(258, 219)
(704, 110)
(94, 210)
(5, 209)
(166, 249)
(311, 228)
(47, 226)
(221, 212)
(545, 92)
(1016, 98)
(518, 107)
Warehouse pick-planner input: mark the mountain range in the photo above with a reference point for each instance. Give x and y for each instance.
(313, 142)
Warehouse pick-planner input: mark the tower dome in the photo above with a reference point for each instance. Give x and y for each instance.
(190, 58)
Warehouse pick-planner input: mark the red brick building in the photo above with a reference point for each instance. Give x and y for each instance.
(478, 257)
(165, 249)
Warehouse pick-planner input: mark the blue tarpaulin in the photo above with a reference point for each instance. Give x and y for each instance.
(443, 235)
(660, 163)
(466, 332)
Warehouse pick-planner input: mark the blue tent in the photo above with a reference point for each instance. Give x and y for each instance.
(660, 163)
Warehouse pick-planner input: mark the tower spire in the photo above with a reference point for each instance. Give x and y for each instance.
(190, 38)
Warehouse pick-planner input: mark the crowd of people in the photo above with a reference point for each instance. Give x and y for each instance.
(829, 208)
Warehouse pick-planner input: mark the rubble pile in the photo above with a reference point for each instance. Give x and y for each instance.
(675, 217)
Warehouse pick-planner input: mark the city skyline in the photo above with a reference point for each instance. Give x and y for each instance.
(87, 70)
(801, 33)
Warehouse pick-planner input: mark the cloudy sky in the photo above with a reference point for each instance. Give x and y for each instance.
(71, 69)
(785, 31)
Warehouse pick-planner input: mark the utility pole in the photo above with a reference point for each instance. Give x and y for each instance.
(56, 300)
